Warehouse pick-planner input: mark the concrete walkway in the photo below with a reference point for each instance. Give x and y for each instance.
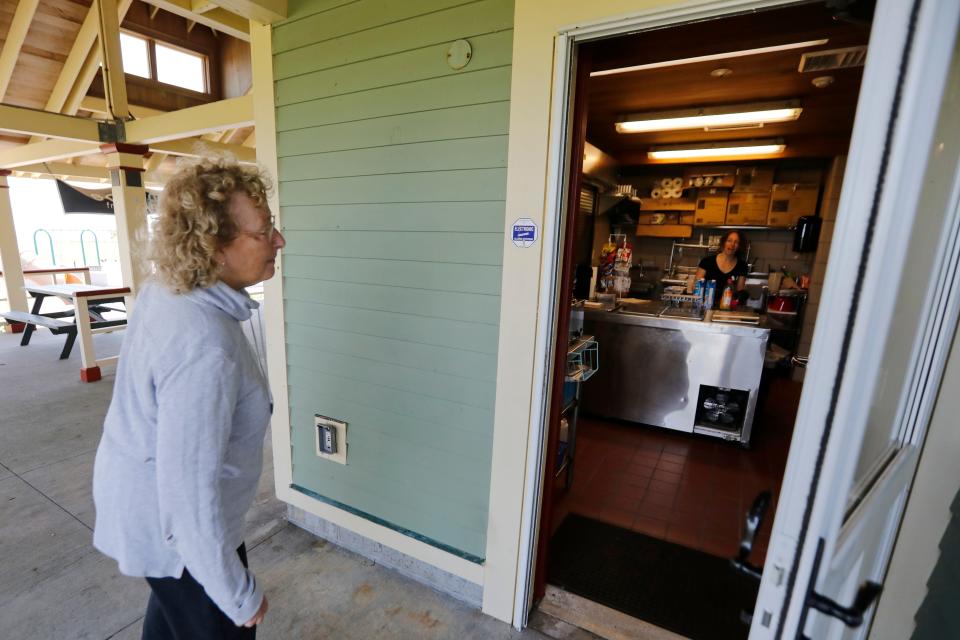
(54, 585)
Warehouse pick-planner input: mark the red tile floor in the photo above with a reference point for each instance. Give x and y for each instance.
(692, 490)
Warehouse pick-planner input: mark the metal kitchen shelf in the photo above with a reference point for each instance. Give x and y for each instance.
(680, 297)
(696, 246)
(750, 226)
(583, 359)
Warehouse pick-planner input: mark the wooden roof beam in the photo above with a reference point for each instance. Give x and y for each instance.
(73, 69)
(78, 172)
(46, 151)
(198, 147)
(49, 125)
(219, 19)
(232, 113)
(66, 171)
(114, 80)
(16, 34)
(202, 6)
(262, 11)
(154, 162)
(99, 105)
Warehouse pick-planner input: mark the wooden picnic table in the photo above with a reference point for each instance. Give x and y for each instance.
(89, 304)
(83, 272)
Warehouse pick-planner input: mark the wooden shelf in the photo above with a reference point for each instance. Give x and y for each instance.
(668, 204)
(665, 230)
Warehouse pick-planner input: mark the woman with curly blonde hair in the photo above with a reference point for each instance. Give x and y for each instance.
(182, 446)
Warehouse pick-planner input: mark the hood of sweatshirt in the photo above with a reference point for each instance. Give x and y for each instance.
(237, 304)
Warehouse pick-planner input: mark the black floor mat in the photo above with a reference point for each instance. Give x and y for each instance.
(686, 591)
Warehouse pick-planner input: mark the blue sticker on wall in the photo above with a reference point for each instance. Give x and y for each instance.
(524, 233)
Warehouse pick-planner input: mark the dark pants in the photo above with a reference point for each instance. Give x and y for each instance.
(179, 609)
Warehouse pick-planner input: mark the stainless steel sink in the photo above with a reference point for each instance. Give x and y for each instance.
(651, 308)
(688, 313)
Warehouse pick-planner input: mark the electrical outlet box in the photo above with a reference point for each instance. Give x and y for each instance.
(330, 438)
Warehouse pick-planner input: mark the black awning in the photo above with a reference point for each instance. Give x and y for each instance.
(76, 200)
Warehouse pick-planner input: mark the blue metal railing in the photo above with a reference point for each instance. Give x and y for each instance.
(83, 247)
(36, 248)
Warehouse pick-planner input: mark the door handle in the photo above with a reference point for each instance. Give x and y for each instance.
(851, 616)
(754, 519)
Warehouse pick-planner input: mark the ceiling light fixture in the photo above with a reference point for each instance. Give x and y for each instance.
(707, 118)
(731, 149)
(714, 56)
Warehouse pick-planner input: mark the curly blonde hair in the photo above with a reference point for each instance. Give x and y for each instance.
(195, 219)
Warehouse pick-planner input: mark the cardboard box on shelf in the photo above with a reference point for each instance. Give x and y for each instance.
(659, 218)
(705, 175)
(668, 204)
(790, 201)
(747, 208)
(753, 180)
(711, 206)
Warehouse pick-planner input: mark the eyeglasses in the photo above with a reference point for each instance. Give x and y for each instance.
(266, 234)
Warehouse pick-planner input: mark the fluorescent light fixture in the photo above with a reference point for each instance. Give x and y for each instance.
(714, 56)
(732, 149)
(707, 118)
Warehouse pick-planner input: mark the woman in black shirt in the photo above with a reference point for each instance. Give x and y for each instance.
(725, 265)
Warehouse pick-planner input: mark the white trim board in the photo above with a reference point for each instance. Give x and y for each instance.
(422, 551)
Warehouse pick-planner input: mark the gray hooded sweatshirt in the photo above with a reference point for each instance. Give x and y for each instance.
(182, 445)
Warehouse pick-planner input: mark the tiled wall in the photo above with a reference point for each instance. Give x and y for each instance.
(769, 249)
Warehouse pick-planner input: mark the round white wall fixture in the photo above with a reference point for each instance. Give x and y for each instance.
(459, 54)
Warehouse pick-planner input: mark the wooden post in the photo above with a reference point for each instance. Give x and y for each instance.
(114, 83)
(9, 252)
(125, 162)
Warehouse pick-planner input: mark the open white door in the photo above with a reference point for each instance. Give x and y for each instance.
(888, 314)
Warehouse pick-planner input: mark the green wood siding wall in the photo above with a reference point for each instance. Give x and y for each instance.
(939, 616)
(392, 181)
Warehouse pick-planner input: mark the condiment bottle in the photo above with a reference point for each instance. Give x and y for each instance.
(727, 296)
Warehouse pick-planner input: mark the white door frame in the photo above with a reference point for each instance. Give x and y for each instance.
(862, 169)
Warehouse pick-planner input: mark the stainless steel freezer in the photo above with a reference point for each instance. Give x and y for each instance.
(683, 374)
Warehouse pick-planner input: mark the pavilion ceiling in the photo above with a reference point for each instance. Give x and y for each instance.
(50, 55)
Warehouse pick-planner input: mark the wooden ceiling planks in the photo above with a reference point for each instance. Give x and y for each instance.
(52, 32)
(51, 36)
(54, 29)
(823, 128)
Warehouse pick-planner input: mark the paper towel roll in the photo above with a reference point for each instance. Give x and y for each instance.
(656, 193)
(675, 193)
(666, 183)
(677, 183)
(698, 181)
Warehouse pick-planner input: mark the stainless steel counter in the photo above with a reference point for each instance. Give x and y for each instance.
(688, 375)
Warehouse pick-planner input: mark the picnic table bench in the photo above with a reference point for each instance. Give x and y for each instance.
(89, 305)
(55, 324)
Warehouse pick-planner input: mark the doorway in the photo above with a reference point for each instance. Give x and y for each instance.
(662, 451)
